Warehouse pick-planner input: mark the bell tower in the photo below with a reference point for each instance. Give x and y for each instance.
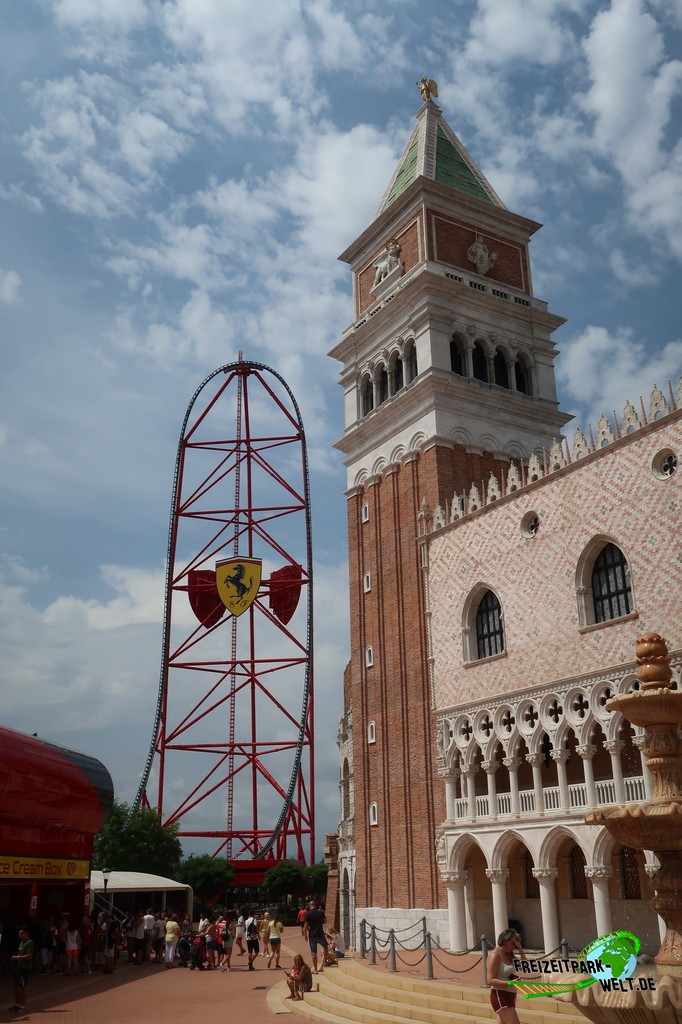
(448, 375)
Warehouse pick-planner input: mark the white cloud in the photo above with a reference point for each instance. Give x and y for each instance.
(10, 283)
(145, 140)
(633, 275)
(528, 30)
(120, 13)
(14, 568)
(601, 369)
(630, 99)
(18, 194)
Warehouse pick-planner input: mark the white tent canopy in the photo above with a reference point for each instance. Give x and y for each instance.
(138, 882)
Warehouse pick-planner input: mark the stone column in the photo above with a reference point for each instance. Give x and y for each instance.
(490, 767)
(513, 764)
(511, 373)
(455, 882)
(561, 757)
(587, 752)
(614, 748)
(469, 359)
(499, 876)
(651, 870)
(548, 904)
(449, 778)
(535, 760)
(469, 771)
(646, 774)
(490, 361)
(599, 876)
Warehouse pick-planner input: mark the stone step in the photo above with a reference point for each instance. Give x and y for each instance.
(433, 993)
(355, 993)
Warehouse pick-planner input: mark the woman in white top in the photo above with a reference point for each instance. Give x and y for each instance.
(500, 972)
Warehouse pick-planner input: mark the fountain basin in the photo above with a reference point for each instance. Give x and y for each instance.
(651, 826)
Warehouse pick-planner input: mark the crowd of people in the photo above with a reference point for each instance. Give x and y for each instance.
(66, 946)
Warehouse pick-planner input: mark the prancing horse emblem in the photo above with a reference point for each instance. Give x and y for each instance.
(238, 580)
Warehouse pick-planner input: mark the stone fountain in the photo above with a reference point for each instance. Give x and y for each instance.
(654, 825)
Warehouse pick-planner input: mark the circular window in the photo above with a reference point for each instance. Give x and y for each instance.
(664, 464)
(530, 524)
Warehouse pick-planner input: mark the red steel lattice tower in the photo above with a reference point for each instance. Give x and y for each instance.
(231, 756)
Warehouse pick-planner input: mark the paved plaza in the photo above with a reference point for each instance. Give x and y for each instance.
(150, 994)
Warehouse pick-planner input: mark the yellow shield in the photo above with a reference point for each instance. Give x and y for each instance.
(238, 580)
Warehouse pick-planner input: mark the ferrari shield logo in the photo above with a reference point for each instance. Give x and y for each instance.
(238, 580)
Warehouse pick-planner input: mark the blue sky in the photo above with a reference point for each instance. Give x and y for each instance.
(177, 180)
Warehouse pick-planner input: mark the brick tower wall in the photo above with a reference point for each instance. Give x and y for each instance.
(395, 860)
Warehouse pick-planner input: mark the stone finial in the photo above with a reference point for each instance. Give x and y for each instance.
(653, 661)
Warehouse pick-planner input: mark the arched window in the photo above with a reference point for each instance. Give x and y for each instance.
(522, 374)
(629, 874)
(366, 395)
(480, 362)
(489, 630)
(410, 362)
(345, 791)
(611, 590)
(501, 372)
(369, 657)
(603, 583)
(373, 814)
(367, 582)
(371, 732)
(456, 357)
(578, 880)
(398, 376)
(382, 385)
(532, 886)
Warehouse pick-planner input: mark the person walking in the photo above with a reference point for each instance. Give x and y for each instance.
(111, 936)
(252, 944)
(172, 936)
(73, 943)
(314, 933)
(228, 943)
(240, 932)
(500, 964)
(265, 935)
(21, 963)
(276, 930)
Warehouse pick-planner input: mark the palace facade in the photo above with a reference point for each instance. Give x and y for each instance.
(499, 576)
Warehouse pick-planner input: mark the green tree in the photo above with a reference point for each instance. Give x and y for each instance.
(136, 841)
(317, 878)
(208, 876)
(286, 878)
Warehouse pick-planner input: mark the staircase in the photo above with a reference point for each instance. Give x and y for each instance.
(353, 992)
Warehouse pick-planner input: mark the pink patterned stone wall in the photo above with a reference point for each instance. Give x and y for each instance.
(613, 493)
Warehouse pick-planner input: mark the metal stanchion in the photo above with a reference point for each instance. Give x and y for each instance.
(391, 951)
(564, 949)
(373, 945)
(484, 962)
(424, 930)
(363, 949)
(429, 957)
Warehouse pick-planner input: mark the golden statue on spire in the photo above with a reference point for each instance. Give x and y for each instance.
(427, 88)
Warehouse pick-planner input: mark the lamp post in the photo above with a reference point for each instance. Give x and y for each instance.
(106, 872)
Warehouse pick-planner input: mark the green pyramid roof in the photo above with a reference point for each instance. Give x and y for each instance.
(434, 151)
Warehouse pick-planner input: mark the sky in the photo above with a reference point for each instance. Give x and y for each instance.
(177, 180)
